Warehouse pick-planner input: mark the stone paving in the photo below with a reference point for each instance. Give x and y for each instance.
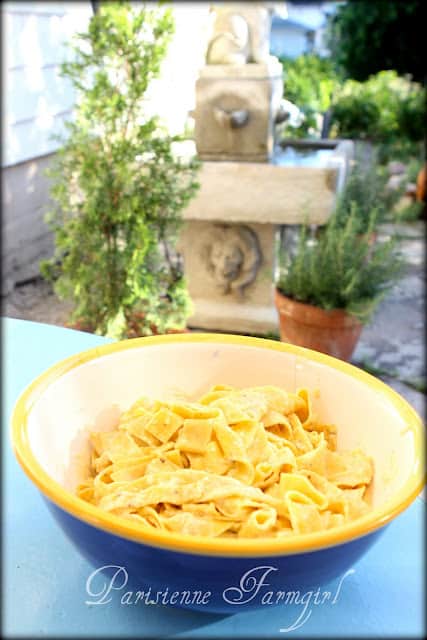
(391, 346)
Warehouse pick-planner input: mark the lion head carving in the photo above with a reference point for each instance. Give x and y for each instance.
(232, 255)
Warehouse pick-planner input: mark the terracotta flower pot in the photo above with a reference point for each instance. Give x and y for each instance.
(421, 188)
(333, 332)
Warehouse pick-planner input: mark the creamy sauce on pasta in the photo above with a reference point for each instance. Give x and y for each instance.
(238, 463)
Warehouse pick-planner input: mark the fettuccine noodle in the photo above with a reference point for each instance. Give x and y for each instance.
(238, 463)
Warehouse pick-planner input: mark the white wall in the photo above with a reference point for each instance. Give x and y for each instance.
(289, 40)
(311, 15)
(26, 238)
(36, 99)
(36, 102)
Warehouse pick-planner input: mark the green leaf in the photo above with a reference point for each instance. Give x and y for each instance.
(117, 189)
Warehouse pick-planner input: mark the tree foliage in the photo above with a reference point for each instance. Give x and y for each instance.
(309, 82)
(387, 109)
(367, 36)
(383, 108)
(118, 185)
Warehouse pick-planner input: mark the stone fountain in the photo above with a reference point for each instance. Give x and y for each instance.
(251, 188)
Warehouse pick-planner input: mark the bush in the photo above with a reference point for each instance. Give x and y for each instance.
(365, 189)
(388, 109)
(385, 108)
(412, 114)
(354, 114)
(118, 188)
(340, 269)
(409, 213)
(309, 82)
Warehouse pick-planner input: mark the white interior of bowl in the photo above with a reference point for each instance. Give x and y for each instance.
(91, 395)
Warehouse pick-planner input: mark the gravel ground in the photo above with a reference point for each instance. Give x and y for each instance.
(391, 346)
(36, 301)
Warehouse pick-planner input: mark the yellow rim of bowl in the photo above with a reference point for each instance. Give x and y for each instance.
(197, 544)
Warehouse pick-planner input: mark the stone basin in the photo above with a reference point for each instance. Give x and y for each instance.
(291, 154)
(301, 182)
(292, 157)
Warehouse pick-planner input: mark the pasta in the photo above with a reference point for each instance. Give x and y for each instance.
(245, 463)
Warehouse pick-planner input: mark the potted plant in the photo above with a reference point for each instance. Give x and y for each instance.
(118, 184)
(332, 284)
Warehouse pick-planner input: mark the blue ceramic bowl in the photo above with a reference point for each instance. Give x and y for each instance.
(50, 437)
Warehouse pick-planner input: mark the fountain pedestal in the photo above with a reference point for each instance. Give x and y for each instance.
(230, 234)
(229, 272)
(235, 109)
(246, 195)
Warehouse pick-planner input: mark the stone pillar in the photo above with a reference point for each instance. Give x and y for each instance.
(229, 238)
(229, 269)
(235, 111)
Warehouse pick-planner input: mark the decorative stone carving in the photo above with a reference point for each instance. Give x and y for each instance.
(229, 239)
(234, 119)
(261, 196)
(241, 32)
(239, 91)
(249, 304)
(232, 255)
(236, 108)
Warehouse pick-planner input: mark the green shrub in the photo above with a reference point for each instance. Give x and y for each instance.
(355, 115)
(398, 149)
(409, 213)
(388, 109)
(366, 189)
(413, 168)
(412, 114)
(384, 108)
(340, 269)
(309, 82)
(118, 187)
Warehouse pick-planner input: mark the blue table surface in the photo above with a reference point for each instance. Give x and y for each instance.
(45, 577)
